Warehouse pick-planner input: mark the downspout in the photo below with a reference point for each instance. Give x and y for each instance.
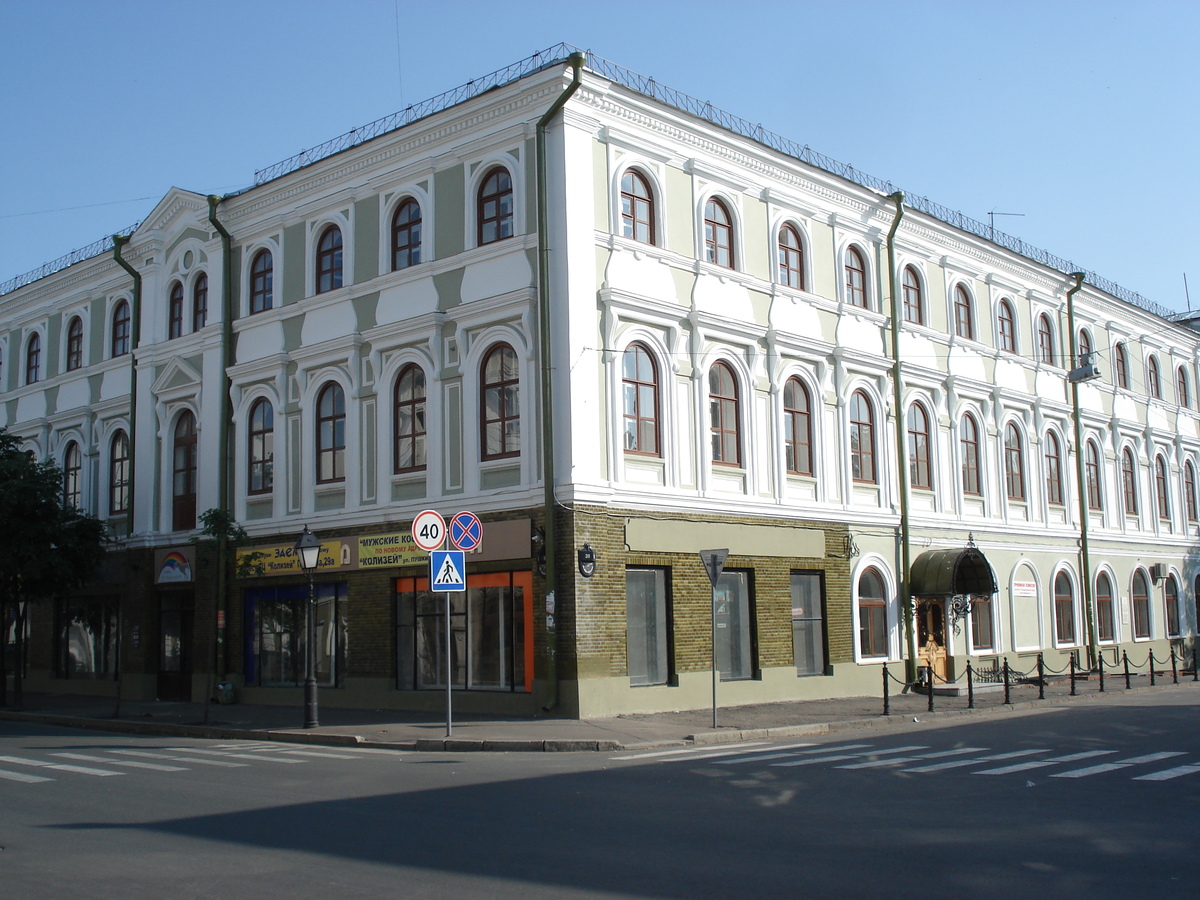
(1085, 560)
(902, 587)
(135, 334)
(223, 432)
(135, 337)
(577, 61)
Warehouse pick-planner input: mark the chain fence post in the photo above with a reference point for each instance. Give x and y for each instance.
(1041, 670)
(970, 686)
(1100, 656)
(886, 701)
(1195, 668)
(1152, 681)
(1071, 663)
(1174, 668)
(1006, 691)
(930, 683)
(1125, 658)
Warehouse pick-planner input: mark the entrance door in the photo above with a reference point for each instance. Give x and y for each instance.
(931, 636)
(176, 616)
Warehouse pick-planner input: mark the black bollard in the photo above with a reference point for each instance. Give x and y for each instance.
(970, 686)
(1072, 664)
(1174, 668)
(1007, 701)
(1152, 668)
(1125, 657)
(886, 703)
(1100, 656)
(1041, 666)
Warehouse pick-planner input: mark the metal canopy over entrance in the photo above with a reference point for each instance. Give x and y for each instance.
(952, 573)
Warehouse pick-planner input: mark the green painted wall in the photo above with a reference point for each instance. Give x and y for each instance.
(679, 213)
(289, 284)
(449, 288)
(756, 233)
(823, 263)
(450, 194)
(366, 240)
(600, 184)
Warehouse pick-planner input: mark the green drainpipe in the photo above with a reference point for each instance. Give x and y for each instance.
(223, 433)
(902, 586)
(1085, 559)
(577, 61)
(135, 334)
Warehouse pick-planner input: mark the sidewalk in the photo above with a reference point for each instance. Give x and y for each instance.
(404, 730)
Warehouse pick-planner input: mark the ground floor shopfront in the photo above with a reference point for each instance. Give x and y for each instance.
(801, 610)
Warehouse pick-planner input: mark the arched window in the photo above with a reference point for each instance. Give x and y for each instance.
(718, 233)
(500, 412)
(1054, 483)
(262, 282)
(964, 323)
(1153, 380)
(409, 425)
(329, 260)
(1045, 339)
(856, 278)
(1014, 463)
(639, 385)
(797, 427)
(183, 474)
(175, 311)
(872, 615)
(968, 442)
(331, 434)
(75, 344)
(1085, 343)
(862, 439)
(1120, 367)
(72, 470)
(914, 301)
(494, 207)
(1064, 610)
(637, 207)
(200, 302)
(1141, 605)
(1181, 388)
(1189, 491)
(1105, 623)
(119, 345)
(1129, 482)
(1095, 498)
(33, 359)
(406, 235)
(1171, 598)
(1006, 327)
(724, 415)
(791, 258)
(919, 470)
(260, 470)
(1161, 495)
(118, 475)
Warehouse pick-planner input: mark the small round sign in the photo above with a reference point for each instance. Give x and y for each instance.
(429, 530)
(466, 531)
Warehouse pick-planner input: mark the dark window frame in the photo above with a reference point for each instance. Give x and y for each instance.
(863, 469)
(855, 271)
(1120, 366)
(406, 234)
(913, 296)
(797, 425)
(1153, 378)
(184, 453)
(1129, 482)
(175, 311)
(118, 474)
(969, 447)
(920, 466)
(637, 208)
(200, 302)
(329, 260)
(121, 330)
(73, 476)
(725, 415)
(873, 625)
(495, 212)
(33, 358)
(719, 244)
(1106, 630)
(791, 257)
(330, 434)
(1006, 326)
(409, 404)
(262, 282)
(1162, 493)
(1065, 633)
(1140, 602)
(75, 344)
(260, 448)
(1014, 463)
(1095, 494)
(1054, 479)
(640, 401)
(964, 320)
(1045, 340)
(500, 406)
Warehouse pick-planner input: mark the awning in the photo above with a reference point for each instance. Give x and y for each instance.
(951, 573)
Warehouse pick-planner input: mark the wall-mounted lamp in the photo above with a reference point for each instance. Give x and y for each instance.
(587, 561)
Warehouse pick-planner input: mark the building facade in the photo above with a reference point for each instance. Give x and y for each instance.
(699, 337)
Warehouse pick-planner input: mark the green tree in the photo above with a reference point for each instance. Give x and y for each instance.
(50, 547)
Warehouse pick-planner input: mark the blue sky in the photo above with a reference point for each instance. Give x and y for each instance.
(1082, 117)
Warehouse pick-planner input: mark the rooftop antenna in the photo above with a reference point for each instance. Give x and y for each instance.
(992, 222)
(1186, 295)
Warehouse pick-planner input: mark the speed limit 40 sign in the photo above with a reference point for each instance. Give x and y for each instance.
(429, 530)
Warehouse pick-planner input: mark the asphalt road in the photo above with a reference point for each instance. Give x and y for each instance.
(1092, 801)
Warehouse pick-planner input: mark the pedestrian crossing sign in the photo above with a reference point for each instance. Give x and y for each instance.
(447, 571)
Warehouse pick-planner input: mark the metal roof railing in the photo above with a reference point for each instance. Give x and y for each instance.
(93, 249)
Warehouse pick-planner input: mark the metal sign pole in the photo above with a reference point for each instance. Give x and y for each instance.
(714, 564)
(449, 669)
(714, 654)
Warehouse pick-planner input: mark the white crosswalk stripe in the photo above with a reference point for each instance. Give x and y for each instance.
(689, 752)
(788, 755)
(281, 759)
(836, 757)
(1042, 763)
(61, 767)
(877, 763)
(1168, 774)
(129, 764)
(959, 763)
(22, 776)
(1119, 764)
(223, 763)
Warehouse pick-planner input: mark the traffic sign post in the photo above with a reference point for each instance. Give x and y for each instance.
(714, 564)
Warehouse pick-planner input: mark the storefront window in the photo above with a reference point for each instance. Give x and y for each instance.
(275, 630)
(87, 638)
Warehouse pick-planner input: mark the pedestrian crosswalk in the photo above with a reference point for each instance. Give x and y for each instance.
(927, 758)
(108, 761)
